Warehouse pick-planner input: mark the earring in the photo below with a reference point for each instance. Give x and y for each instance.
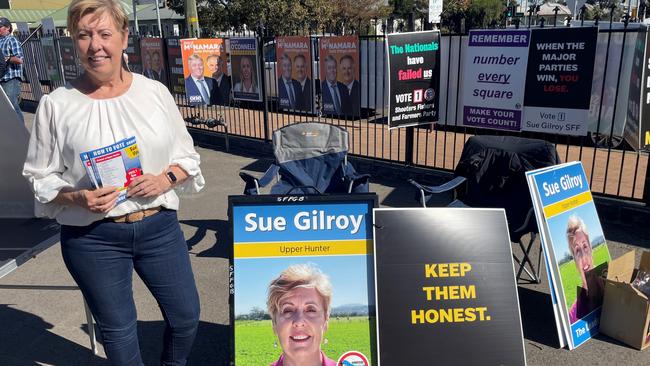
(275, 344)
(325, 341)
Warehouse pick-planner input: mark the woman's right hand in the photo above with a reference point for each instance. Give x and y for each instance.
(100, 200)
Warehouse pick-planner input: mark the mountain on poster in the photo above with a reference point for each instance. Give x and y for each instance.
(574, 248)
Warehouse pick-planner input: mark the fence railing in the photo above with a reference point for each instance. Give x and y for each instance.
(613, 168)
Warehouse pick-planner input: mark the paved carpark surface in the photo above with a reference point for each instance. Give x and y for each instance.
(42, 320)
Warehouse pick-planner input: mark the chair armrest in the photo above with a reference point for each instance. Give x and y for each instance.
(425, 192)
(254, 184)
(442, 188)
(358, 183)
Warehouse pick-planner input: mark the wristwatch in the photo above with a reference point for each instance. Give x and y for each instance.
(172, 177)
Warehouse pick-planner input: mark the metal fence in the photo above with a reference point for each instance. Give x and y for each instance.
(613, 168)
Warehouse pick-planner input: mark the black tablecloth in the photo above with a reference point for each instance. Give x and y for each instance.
(495, 168)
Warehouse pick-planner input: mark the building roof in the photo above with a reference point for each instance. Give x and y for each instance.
(38, 4)
(32, 17)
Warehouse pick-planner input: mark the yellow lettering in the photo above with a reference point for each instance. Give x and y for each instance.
(430, 270)
(443, 270)
(417, 316)
(446, 269)
(468, 292)
(464, 268)
(428, 290)
(446, 315)
(451, 315)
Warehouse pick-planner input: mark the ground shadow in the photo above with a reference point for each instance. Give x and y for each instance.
(537, 318)
(638, 235)
(211, 346)
(260, 165)
(26, 340)
(221, 246)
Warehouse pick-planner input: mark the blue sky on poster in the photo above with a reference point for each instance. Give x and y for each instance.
(348, 275)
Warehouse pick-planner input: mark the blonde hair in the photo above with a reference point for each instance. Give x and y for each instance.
(80, 8)
(574, 226)
(299, 276)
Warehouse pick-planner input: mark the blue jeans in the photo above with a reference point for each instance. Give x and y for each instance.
(101, 258)
(12, 89)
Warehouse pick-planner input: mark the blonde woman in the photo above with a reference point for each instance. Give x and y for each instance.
(299, 302)
(590, 295)
(103, 243)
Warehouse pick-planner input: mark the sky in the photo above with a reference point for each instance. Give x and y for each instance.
(348, 274)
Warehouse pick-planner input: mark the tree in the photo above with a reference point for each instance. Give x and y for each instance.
(283, 16)
(403, 8)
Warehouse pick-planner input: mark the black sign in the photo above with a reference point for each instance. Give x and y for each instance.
(175, 65)
(133, 52)
(561, 67)
(446, 291)
(414, 83)
(68, 58)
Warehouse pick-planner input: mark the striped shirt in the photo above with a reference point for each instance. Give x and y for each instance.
(10, 46)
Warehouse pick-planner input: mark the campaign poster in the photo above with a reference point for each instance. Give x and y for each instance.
(51, 59)
(199, 58)
(153, 62)
(303, 262)
(175, 64)
(339, 75)
(446, 289)
(558, 80)
(495, 78)
(245, 69)
(134, 55)
(574, 247)
(414, 82)
(294, 75)
(644, 122)
(68, 58)
(637, 125)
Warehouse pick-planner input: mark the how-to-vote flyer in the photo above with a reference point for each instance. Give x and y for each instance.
(113, 165)
(495, 78)
(272, 235)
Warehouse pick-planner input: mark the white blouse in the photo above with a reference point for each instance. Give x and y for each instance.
(68, 122)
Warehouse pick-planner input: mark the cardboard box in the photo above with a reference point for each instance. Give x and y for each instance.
(626, 311)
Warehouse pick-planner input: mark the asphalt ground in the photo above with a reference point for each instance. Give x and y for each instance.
(42, 319)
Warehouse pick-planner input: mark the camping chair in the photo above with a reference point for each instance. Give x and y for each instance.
(491, 172)
(310, 158)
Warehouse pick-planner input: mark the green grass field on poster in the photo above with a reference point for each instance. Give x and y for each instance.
(571, 278)
(254, 340)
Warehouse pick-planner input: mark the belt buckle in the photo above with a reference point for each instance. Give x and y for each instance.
(134, 216)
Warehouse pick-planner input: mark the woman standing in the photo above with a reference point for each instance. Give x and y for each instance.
(103, 243)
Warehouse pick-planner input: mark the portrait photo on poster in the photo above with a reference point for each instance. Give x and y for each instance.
(339, 75)
(245, 69)
(294, 74)
(199, 66)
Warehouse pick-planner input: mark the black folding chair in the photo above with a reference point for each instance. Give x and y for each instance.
(491, 173)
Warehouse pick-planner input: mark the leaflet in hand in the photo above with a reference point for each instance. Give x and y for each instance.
(113, 166)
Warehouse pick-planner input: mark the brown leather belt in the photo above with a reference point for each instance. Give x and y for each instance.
(136, 216)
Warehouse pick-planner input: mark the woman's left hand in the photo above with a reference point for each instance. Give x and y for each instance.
(148, 185)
